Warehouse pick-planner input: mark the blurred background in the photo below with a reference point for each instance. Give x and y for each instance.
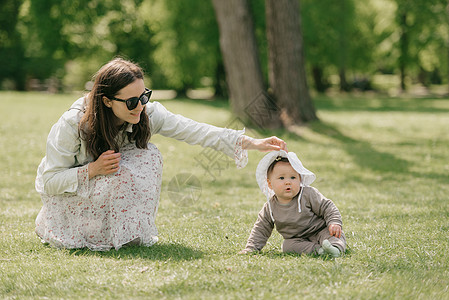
(386, 46)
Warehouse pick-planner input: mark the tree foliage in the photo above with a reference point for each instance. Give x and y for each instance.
(11, 47)
(188, 43)
(419, 26)
(177, 42)
(365, 37)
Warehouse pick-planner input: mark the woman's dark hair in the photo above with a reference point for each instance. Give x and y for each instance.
(278, 159)
(97, 126)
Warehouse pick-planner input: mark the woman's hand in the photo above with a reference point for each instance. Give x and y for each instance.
(335, 230)
(268, 144)
(106, 163)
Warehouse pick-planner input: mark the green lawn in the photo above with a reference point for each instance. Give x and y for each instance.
(384, 162)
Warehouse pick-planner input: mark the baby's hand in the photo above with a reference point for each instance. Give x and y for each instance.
(335, 230)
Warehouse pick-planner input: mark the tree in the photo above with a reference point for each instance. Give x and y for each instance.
(56, 31)
(419, 23)
(447, 43)
(287, 74)
(241, 59)
(129, 32)
(188, 46)
(11, 47)
(402, 18)
(62, 33)
(340, 38)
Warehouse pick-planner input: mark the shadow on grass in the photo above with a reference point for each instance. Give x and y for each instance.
(217, 103)
(379, 104)
(365, 156)
(276, 254)
(362, 152)
(159, 251)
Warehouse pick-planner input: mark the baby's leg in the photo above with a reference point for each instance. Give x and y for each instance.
(339, 243)
(329, 249)
(297, 245)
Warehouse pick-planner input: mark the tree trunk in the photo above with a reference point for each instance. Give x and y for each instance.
(343, 45)
(403, 46)
(242, 66)
(318, 77)
(447, 12)
(286, 65)
(220, 86)
(344, 86)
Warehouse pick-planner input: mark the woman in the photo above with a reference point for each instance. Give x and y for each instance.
(100, 180)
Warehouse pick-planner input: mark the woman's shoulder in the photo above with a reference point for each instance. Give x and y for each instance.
(74, 114)
(155, 108)
(158, 115)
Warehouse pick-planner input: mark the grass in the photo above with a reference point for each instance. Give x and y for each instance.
(383, 161)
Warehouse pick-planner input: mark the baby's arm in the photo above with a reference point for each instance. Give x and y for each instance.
(260, 233)
(326, 209)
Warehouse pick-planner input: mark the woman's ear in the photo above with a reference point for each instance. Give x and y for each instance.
(107, 102)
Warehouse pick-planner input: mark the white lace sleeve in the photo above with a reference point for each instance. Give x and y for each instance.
(240, 154)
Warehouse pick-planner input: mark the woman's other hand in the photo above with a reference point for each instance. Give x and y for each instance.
(106, 163)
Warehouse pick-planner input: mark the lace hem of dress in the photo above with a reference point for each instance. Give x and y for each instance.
(136, 242)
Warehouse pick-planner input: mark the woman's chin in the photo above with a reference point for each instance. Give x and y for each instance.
(134, 120)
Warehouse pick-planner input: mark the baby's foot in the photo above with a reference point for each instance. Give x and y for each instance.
(329, 249)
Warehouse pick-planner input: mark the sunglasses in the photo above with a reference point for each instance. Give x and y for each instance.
(131, 103)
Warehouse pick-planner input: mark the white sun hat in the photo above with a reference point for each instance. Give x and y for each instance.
(307, 177)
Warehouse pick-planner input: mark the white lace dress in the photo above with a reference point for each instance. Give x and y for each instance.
(114, 210)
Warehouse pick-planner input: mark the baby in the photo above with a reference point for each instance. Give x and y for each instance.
(308, 222)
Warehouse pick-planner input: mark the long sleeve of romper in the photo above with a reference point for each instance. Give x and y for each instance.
(324, 207)
(261, 231)
(317, 212)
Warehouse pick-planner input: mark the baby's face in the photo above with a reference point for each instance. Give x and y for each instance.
(284, 181)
